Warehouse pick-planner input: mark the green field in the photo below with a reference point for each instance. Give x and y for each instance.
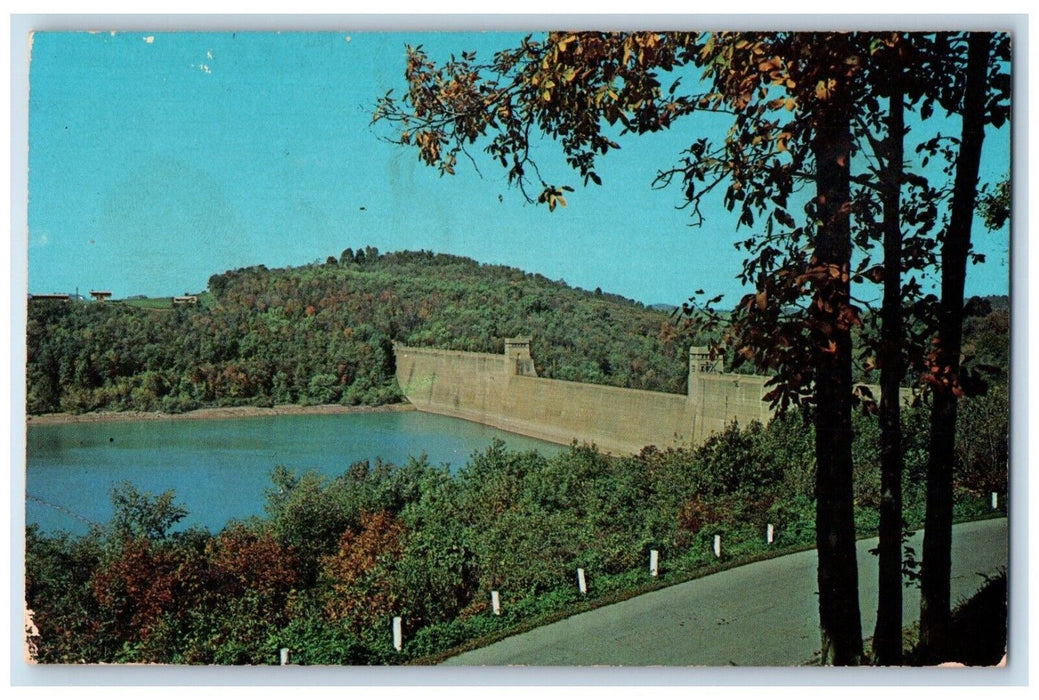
(205, 299)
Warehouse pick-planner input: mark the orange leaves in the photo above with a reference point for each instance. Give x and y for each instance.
(943, 379)
(770, 65)
(242, 560)
(787, 103)
(642, 46)
(820, 274)
(940, 373)
(142, 582)
(847, 317)
(565, 41)
(358, 577)
(824, 89)
(758, 301)
(145, 582)
(553, 196)
(428, 143)
(774, 71)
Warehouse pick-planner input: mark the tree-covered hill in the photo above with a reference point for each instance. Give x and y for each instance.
(324, 333)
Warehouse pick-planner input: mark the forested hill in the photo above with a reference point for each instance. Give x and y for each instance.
(323, 333)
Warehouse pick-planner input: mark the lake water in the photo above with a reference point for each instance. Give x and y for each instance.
(220, 468)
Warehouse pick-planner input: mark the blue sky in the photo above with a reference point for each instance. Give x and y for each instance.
(158, 159)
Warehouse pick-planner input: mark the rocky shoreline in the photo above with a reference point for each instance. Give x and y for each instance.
(211, 413)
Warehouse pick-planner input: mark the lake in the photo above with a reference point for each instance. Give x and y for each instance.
(220, 468)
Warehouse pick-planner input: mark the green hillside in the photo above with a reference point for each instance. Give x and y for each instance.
(324, 333)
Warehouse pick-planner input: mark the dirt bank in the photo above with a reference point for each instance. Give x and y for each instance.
(211, 413)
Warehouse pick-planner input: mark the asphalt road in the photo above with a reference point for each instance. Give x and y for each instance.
(762, 614)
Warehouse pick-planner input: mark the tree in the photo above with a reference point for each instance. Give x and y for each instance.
(905, 73)
(572, 86)
(140, 515)
(358, 577)
(945, 362)
(835, 518)
(887, 636)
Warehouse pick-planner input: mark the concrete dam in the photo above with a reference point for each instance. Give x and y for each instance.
(505, 392)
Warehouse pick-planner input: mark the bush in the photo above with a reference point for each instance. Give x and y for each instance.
(313, 641)
(982, 447)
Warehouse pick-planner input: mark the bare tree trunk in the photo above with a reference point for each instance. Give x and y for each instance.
(937, 549)
(839, 618)
(887, 636)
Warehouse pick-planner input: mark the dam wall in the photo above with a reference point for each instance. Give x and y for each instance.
(467, 385)
(504, 391)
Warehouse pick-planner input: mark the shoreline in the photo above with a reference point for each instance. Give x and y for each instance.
(218, 413)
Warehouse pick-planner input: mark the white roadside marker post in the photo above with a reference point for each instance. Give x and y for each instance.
(654, 562)
(495, 603)
(995, 500)
(398, 635)
(284, 657)
(718, 546)
(770, 533)
(580, 581)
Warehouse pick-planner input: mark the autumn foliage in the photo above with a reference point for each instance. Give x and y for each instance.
(243, 560)
(358, 577)
(143, 581)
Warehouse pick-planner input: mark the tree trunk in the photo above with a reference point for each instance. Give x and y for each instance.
(839, 619)
(887, 636)
(937, 549)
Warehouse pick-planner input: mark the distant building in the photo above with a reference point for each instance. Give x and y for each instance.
(50, 297)
(100, 296)
(186, 299)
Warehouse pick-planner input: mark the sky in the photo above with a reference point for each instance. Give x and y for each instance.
(159, 159)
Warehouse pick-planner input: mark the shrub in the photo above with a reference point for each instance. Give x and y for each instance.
(357, 580)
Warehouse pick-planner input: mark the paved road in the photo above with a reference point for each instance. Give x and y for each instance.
(762, 614)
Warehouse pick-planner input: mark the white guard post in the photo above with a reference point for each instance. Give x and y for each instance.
(398, 635)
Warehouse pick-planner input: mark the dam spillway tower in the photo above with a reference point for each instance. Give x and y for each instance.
(700, 362)
(518, 361)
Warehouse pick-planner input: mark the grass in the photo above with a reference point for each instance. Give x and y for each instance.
(147, 303)
(205, 299)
